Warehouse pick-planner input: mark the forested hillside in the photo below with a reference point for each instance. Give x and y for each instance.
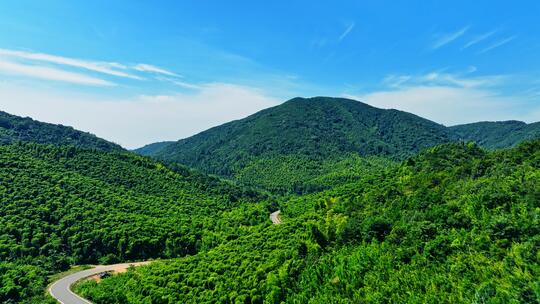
(304, 130)
(62, 206)
(152, 149)
(365, 217)
(454, 224)
(496, 135)
(297, 174)
(14, 128)
(281, 149)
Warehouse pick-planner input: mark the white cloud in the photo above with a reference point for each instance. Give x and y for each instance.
(49, 73)
(478, 39)
(396, 81)
(451, 105)
(136, 121)
(472, 69)
(445, 39)
(179, 83)
(186, 85)
(443, 79)
(347, 31)
(453, 98)
(110, 68)
(153, 69)
(497, 44)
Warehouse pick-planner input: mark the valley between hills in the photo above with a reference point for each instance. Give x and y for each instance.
(317, 200)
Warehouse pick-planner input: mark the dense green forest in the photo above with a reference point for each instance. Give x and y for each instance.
(313, 128)
(64, 205)
(282, 149)
(14, 128)
(496, 135)
(298, 174)
(454, 224)
(366, 218)
(152, 149)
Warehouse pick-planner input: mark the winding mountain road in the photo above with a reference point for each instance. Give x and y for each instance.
(61, 289)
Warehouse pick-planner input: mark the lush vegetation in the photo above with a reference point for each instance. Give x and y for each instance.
(282, 149)
(63, 205)
(496, 135)
(14, 128)
(308, 128)
(366, 219)
(153, 148)
(297, 174)
(455, 224)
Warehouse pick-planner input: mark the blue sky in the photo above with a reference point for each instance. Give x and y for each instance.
(138, 71)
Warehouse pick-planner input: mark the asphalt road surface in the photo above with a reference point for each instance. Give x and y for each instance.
(274, 217)
(61, 289)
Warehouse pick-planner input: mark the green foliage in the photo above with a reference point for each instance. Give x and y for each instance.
(496, 135)
(62, 206)
(291, 147)
(153, 148)
(301, 175)
(306, 129)
(454, 224)
(254, 268)
(14, 129)
(443, 231)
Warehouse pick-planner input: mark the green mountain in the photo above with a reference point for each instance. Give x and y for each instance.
(284, 148)
(14, 128)
(453, 224)
(61, 205)
(152, 149)
(376, 221)
(496, 135)
(317, 128)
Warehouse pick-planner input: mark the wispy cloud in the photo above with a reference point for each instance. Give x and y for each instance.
(186, 85)
(451, 105)
(471, 69)
(59, 68)
(50, 73)
(347, 31)
(137, 120)
(454, 98)
(110, 68)
(180, 83)
(479, 39)
(153, 69)
(532, 92)
(444, 39)
(497, 44)
(395, 81)
(437, 78)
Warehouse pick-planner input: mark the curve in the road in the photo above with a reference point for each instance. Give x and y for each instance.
(274, 217)
(61, 289)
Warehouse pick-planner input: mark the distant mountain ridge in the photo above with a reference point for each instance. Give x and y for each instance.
(497, 134)
(310, 131)
(152, 148)
(319, 128)
(14, 128)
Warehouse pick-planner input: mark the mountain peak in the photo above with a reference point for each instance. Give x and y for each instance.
(316, 127)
